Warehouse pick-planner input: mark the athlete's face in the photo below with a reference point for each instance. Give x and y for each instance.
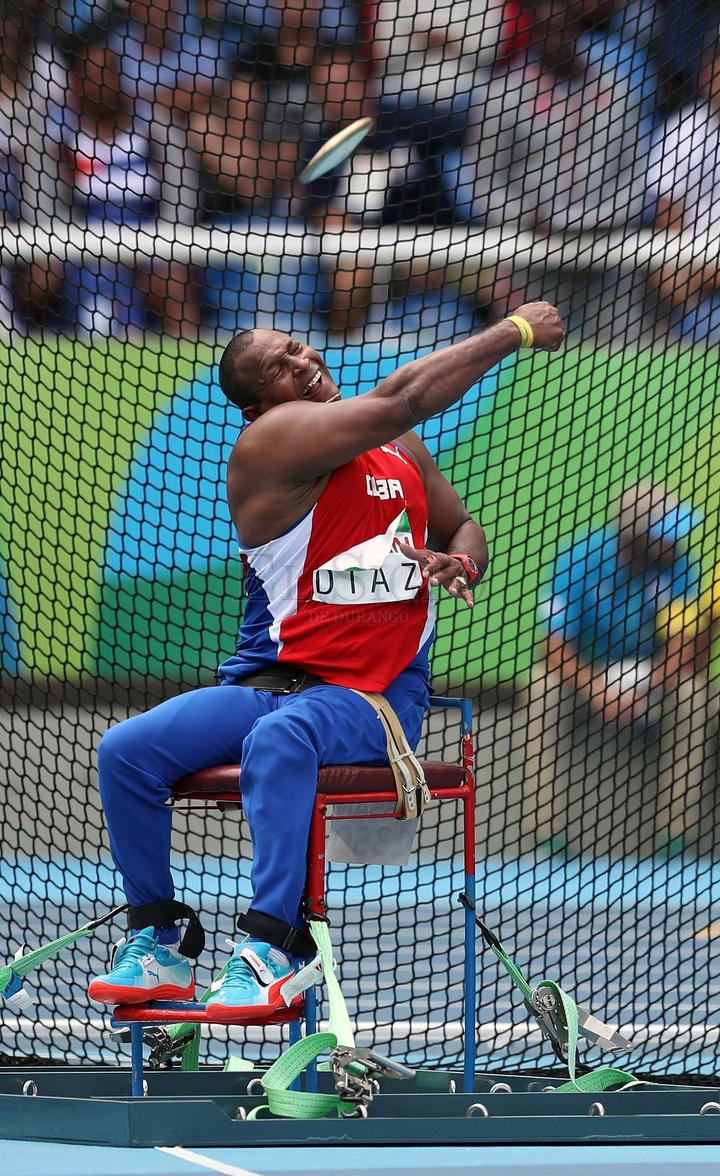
(280, 368)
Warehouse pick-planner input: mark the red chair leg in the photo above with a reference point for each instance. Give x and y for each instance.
(316, 906)
(315, 883)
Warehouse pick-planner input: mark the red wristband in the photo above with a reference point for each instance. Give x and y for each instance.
(472, 571)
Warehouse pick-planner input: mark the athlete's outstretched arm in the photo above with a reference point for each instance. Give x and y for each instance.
(301, 440)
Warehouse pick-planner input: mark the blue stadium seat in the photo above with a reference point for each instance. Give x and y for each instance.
(434, 318)
(294, 298)
(103, 297)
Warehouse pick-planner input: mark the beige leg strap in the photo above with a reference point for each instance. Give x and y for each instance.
(413, 793)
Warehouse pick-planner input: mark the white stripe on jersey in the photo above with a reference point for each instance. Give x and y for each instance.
(279, 563)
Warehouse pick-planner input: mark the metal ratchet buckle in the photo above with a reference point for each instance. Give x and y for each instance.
(356, 1073)
(543, 1006)
(163, 1047)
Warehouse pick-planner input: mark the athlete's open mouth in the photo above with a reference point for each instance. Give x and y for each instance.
(312, 384)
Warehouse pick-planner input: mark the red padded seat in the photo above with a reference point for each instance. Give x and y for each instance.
(223, 783)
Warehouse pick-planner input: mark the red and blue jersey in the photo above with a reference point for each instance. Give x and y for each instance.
(334, 594)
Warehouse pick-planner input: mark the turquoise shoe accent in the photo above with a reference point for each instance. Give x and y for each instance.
(143, 969)
(254, 979)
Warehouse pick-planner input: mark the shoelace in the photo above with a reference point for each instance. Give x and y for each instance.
(239, 971)
(134, 951)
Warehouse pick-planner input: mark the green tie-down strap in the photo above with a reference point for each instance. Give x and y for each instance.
(281, 1101)
(190, 1056)
(33, 959)
(294, 1104)
(296, 1059)
(567, 1026)
(560, 1021)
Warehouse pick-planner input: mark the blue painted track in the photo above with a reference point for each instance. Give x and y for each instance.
(593, 924)
(40, 1159)
(651, 903)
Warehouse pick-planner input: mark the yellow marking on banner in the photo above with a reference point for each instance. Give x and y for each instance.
(710, 932)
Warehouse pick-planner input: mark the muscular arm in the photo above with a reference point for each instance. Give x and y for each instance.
(300, 441)
(451, 528)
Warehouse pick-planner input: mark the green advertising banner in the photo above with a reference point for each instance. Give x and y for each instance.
(116, 552)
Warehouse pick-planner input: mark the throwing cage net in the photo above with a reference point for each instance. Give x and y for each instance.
(533, 148)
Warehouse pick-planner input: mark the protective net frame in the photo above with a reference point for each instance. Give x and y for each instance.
(151, 209)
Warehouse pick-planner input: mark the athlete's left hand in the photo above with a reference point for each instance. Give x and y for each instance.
(441, 569)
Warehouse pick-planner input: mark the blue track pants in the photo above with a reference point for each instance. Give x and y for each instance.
(280, 740)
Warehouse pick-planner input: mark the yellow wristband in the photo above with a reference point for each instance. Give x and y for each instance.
(527, 338)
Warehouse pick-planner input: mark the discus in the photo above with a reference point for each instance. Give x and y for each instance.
(336, 150)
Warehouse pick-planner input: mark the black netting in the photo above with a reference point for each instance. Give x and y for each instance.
(522, 149)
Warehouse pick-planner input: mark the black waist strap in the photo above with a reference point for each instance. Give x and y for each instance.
(281, 679)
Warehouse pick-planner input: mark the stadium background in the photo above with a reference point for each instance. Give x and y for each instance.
(118, 578)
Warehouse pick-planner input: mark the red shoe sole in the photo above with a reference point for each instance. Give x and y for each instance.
(113, 994)
(231, 1013)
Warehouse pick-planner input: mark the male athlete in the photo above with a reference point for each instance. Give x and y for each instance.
(344, 523)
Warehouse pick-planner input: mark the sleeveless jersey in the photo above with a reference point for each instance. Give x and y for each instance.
(334, 594)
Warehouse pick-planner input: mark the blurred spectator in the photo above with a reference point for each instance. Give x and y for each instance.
(164, 66)
(10, 152)
(684, 181)
(247, 168)
(167, 72)
(222, 22)
(109, 177)
(30, 75)
(170, 65)
(685, 33)
(249, 145)
(252, 142)
(337, 96)
(108, 158)
(617, 687)
(288, 30)
(76, 20)
(514, 31)
(425, 52)
(258, 129)
(557, 141)
(425, 63)
(619, 36)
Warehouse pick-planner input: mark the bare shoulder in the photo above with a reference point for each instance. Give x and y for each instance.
(263, 451)
(256, 467)
(257, 441)
(263, 503)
